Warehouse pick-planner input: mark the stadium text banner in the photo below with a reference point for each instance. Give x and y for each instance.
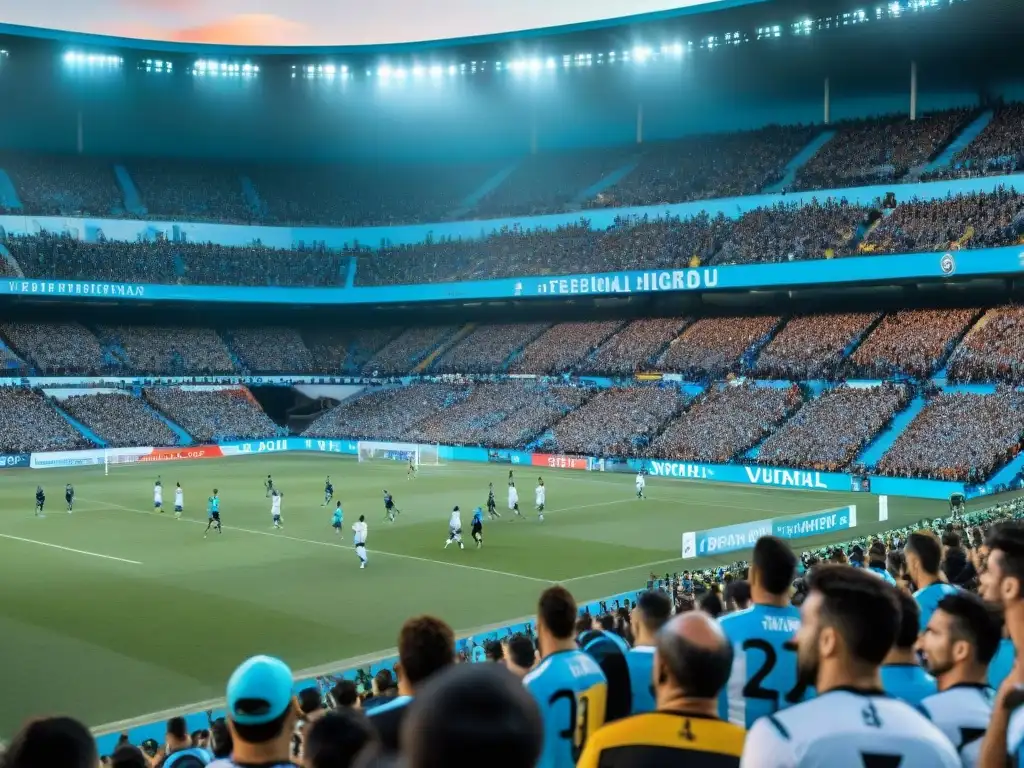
(733, 538)
(10, 460)
(556, 461)
(843, 271)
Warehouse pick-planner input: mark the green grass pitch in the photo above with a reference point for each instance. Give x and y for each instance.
(131, 612)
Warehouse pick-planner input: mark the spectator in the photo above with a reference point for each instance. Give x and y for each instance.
(519, 655)
(271, 350)
(563, 347)
(213, 415)
(923, 552)
(119, 419)
(473, 715)
(912, 343)
(170, 350)
(426, 646)
(336, 739)
(339, 350)
(487, 349)
(993, 349)
(345, 695)
(401, 355)
(713, 348)
(636, 347)
(178, 749)
(902, 674)
(652, 612)
(220, 739)
(58, 349)
(128, 756)
(261, 713)
(63, 185)
(54, 742)
(29, 424)
(812, 346)
(998, 149)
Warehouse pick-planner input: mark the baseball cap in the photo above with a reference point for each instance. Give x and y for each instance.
(259, 691)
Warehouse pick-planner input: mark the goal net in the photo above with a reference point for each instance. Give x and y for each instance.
(420, 454)
(117, 458)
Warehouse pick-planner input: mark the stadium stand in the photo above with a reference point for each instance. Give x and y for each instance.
(811, 346)
(487, 349)
(959, 436)
(120, 420)
(63, 185)
(273, 350)
(713, 348)
(725, 421)
(190, 189)
(827, 433)
(213, 414)
(167, 350)
(880, 150)
(998, 149)
(616, 422)
(58, 348)
(563, 347)
(407, 350)
(636, 347)
(29, 423)
(346, 351)
(912, 343)
(993, 350)
(386, 414)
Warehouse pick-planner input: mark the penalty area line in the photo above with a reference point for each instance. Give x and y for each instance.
(69, 549)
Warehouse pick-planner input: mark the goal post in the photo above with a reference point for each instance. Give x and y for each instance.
(114, 457)
(421, 454)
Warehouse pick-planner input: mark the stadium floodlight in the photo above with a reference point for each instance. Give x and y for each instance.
(436, 70)
(641, 53)
(399, 73)
(310, 69)
(451, 69)
(550, 63)
(330, 70)
(677, 49)
(535, 65)
(417, 71)
(344, 69)
(384, 72)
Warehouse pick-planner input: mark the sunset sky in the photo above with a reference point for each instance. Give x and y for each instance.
(314, 22)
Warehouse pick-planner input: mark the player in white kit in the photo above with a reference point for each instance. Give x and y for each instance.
(455, 529)
(158, 496)
(275, 507)
(849, 622)
(359, 539)
(640, 484)
(513, 499)
(179, 500)
(540, 495)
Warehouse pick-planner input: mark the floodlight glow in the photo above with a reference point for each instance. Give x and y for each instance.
(550, 63)
(451, 69)
(344, 69)
(677, 49)
(641, 53)
(384, 71)
(436, 71)
(535, 65)
(330, 69)
(417, 71)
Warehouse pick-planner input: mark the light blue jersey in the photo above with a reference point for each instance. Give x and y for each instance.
(764, 678)
(640, 661)
(928, 600)
(213, 506)
(908, 682)
(884, 575)
(572, 692)
(1001, 664)
(338, 518)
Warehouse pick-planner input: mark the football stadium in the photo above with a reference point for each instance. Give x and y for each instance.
(344, 366)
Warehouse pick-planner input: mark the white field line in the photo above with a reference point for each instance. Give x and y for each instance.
(69, 549)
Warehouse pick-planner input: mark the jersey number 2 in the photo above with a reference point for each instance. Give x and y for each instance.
(754, 689)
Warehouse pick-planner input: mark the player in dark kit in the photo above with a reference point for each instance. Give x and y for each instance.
(213, 512)
(477, 529)
(328, 492)
(69, 496)
(492, 507)
(511, 481)
(40, 500)
(269, 485)
(389, 508)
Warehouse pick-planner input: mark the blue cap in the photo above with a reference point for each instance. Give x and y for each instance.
(259, 691)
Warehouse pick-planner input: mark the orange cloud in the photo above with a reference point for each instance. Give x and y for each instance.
(242, 29)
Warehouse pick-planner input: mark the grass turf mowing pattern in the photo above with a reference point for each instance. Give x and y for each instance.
(104, 640)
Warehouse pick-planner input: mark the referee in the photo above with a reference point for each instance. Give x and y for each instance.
(691, 666)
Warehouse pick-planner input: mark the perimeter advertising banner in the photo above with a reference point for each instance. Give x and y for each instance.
(557, 461)
(735, 538)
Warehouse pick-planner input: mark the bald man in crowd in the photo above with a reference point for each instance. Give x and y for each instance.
(692, 662)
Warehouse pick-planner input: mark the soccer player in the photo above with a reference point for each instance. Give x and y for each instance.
(359, 539)
(275, 508)
(158, 496)
(328, 492)
(511, 480)
(902, 674)
(477, 529)
(69, 497)
(411, 472)
(652, 612)
(764, 671)
(693, 659)
(568, 685)
(339, 518)
(848, 622)
(40, 501)
(455, 529)
(389, 508)
(492, 507)
(213, 513)
(540, 494)
(513, 500)
(960, 640)
(269, 485)
(640, 484)
(179, 500)
(924, 560)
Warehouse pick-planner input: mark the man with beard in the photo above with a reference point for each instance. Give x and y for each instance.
(959, 642)
(848, 623)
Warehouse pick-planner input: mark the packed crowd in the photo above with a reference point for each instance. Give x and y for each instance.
(912, 343)
(881, 150)
(174, 351)
(998, 149)
(959, 436)
(499, 414)
(346, 351)
(993, 350)
(828, 432)
(636, 347)
(792, 232)
(406, 351)
(713, 348)
(58, 348)
(29, 423)
(724, 422)
(812, 346)
(708, 167)
(63, 185)
(487, 349)
(564, 347)
(191, 190)
(978, 220)
(213, 415)
(615, 422)
(271, 350)
(387, 414)
(119, 420)
(66, 257)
